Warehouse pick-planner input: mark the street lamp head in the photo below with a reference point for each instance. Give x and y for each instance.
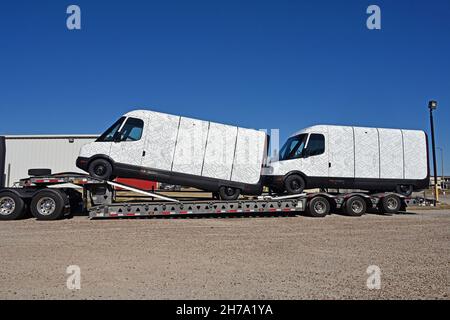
(432, 105)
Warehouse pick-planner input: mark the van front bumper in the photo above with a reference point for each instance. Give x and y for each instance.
(273, 181)
(82, 163)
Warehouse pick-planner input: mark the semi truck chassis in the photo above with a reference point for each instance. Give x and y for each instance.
(51, 197)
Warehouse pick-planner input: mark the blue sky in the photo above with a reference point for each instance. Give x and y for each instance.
(259, 64)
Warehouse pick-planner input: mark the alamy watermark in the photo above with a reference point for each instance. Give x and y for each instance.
(74, 280)
(73, 21)
(374, 20)
(374, 280)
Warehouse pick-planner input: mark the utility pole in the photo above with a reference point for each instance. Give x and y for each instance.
(432, 105)
(442, 167)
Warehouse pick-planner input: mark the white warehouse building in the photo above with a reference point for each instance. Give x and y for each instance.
(18, 153)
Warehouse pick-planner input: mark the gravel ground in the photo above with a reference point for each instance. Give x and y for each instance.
(236, 258)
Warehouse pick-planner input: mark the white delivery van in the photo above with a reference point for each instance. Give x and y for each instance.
(178, 150)
(342, 157)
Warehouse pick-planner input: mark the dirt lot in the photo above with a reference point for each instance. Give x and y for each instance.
(238, 258)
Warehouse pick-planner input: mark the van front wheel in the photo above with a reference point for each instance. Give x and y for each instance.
(229, 193)
(294, 184)
(405, 190)
(100, 169)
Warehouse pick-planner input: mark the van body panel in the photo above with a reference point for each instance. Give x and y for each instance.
(219, 155)
(367, 153)
(95, 148)
(161, 137)
(248, 159)
(414, 142)
(190, 147)
(341, 152)
(391, 154)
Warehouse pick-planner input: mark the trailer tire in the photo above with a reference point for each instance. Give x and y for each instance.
(48, 204)
(100, 169)
(294, 184)
(229, 193)
(391, 204)
(355, 206)
(12, 207)
(318, 207)
(404, 190)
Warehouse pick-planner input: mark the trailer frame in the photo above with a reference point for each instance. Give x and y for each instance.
(99, 200)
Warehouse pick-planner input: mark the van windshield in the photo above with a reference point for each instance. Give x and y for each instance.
(293, 147)
(108, 135)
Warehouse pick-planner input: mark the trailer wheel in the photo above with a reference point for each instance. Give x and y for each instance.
(100, 169)
(355, 206)
(48, 204)
(229, 193)
(405, 190)
(12, 207)
(391, 204)
(294, 184)
(318, 207)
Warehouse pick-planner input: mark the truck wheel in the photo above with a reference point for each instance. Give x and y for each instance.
(12, 207)
(100, 169)
(318, 207)
(405, 190)
(229, 193)
(355, 206)
(48, 204)
(294, 184)
(391, 204)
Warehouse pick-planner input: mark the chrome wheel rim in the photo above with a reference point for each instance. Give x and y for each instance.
(7, 206)
(357, 206)
(319, 207)
(392, 203)
(46, 206)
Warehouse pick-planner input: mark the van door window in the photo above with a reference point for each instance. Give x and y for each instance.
(316, 145)
(108, 135)
(132, 130)
(293, 147)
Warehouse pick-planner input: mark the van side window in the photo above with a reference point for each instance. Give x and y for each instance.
(132, 130)
(316, 145)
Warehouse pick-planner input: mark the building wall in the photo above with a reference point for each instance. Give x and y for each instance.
(57, 153)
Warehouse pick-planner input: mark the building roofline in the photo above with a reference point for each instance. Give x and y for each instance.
(52, 136)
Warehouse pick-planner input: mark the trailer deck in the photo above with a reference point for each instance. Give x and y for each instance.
(51, 197)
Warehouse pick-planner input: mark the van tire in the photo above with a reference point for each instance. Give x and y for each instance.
(48, 204)
(318, 207)
(404, 190)
(12, 206)
(100, 169)
(355, 206)
(294, 184)
(391, 204)
(229, 193)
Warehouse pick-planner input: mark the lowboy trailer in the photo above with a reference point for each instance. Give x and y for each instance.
(53, 196)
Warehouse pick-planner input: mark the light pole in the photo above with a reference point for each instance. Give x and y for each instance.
(432, 105)
(442, 167)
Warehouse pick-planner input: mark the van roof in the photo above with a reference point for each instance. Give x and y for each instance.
(323, 128)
